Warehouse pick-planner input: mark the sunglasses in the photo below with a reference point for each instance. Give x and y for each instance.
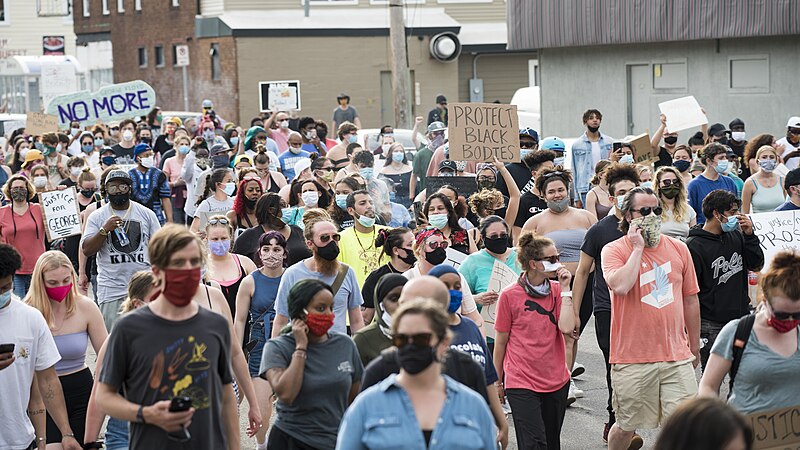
(420, 339)
(435, 245)
(647, 210)
(794, 131)
(553, 174)
(121, 189)
(784, 315)
(325, 238)
(665, 183)
(218, 221)
(326, 169)
(527, 144)
(551, 259)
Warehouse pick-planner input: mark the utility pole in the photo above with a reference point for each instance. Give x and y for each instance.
(399, 65)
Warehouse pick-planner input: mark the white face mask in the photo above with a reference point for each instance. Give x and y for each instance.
(40, 182)
(738, 136)
(147, 162)
(127, 135)
(284, 124)
(310, 198)
(76, 171)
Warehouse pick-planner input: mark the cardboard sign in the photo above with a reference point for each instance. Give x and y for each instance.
(114, 102)
(776, 231)
(454, 257)
(502, 277)
(465, 186)
(61, 215)
(778, 429)
(642, 150)
(483, 131)
(279, 95)
(683, 113)
(37, 124)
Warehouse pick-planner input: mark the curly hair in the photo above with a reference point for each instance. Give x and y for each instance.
(484, 200)
(547, 176)
(756, 143)
(10, 261)
(620, 172)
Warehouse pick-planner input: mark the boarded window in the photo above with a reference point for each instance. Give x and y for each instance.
(670, 76)
(749, 73)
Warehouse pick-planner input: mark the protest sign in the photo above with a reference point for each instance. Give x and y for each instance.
(776, 231)
(61, 215)
(488, 314)
(454, 257)
(279, 95)
(502, 276)
(113, 102)
(642, 150)
(465, 186)
(58, 78)
(778, 429)
(37, 124)
(683, 113)
(483, 131)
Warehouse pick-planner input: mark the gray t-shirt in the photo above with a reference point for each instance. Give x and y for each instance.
(116, 263)
(765, 380)
(348, 297)
(154, 359)
(341, 116)
(330, 371)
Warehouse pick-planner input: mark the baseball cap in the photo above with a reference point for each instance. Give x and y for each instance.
(737, 122)
(792, 178)
(794, 122)
(176, 120)
(216, 149)
(716, 130)
(207, 104)
(529, 132)
(141, 148)
(119, 175)
(242, 158)
(32, 155)
(436, 126)
(553, 143)
(301, 165)
(441, 99)
(343, 95)
(448, 164)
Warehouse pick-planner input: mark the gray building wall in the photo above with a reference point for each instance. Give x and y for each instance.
(579, 78)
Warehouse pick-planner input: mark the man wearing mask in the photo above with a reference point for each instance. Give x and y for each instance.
(791, 143)
(422, 158)
(520, 171)
(723, 251)
(207, 132)
(717, 133)
(439, 112)
(655, 328)
(164, 142)
(345, 112)
(196, 166)
(151, 186)
(358, 242)
(348, 134)
(117, 233)
(670, 142)
(323, 240)
(311, 142)
(278, 125)
(715, 159)
(54, 159)
(291, 157)
(587, 151)
(124, 150)
(219, 159)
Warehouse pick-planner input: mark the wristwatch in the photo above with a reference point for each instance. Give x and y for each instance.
(140, 414)
(566, 294)
(103, 231)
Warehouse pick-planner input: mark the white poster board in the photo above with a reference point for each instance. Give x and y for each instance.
(279, 95)
(683, 113)
(58, 78)
(776, 231)
(454, 257)
(502, 277)
(61, 215)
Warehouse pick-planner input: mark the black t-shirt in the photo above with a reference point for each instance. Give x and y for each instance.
(530, 205)
(68, 183)
(368, 290)
(664, 158)
(296, 247)
(598, 236)
(521, 175)
(161, 145)
(457, 365)
(155, 359)
(124, 155)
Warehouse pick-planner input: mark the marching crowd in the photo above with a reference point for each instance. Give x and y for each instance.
(319, 270)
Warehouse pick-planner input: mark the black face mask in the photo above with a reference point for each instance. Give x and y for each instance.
(723, 140)
(436, 257)
(119, 199)
(671, 140)
(592, 129)
(329, 252)
(485, 185)
(410, 257)
(414, 358)
(497, 245)
(249, 204)
(88, 193)
(145, 140)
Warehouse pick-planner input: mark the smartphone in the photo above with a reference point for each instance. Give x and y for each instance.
(180, 404)
(7, 348)
(616, 146)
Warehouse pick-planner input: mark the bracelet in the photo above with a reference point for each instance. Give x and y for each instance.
(63, 435)
(300, 349)
(40, 439)
(140, 415)
(566, 294)
(300, 354)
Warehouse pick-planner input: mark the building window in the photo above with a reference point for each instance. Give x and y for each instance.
(142, 57)
(86, 8)
(137, 5)
(670, 76)
(749, 74)
(216, 70)
(176, 3)
(120, 6)
(105, 8)
(174, 54)
(159, 56)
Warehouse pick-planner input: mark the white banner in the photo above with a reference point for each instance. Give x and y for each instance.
(777, 231)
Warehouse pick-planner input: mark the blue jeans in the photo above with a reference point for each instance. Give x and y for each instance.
(21, 285)
(116, 434)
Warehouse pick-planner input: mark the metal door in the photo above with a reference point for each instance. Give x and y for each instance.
(638, 98)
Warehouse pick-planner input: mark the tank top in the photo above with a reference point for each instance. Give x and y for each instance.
(601, 210)
(568, 243)
(72, 348)
(264, 295)
(766, 199)
(231, 287)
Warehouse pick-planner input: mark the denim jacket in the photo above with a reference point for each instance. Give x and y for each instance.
(382, 417)
(582, 167)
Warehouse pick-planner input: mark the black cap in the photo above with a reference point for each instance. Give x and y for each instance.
(792, 178)
(737, 122)
(119, 175)
(716, 130)
(448, 164)
(216, 149)
(441, 99)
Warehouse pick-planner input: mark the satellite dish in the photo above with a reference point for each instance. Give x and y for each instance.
(445, 47)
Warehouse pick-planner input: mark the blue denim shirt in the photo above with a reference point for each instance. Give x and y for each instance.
(582, 167)
(382, 417)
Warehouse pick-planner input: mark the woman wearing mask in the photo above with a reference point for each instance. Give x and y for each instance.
(144, 136)
(419, 407)
(308, 367)
(678, 216)
(377, 337)
(255, 312)
(440, 214)
(682, 160)
(87, 194)
(195, 166)
(243, 214)
(399, 172)
(489, 201)
(226, 268)
(268, 214)
(172, 169)
(597, 201)
(99, 135)
(397, 246)
(33, 158)
(752, 147)
(75, 167)
(21, 147)
(41, 181)
(22, 227)
(533, 315)
(764, 191)
(338, 208)
(73, 320)
(322, 168)
(771, 355)
(459, 205)
(89, 151)
(646, 175)
(221, 181)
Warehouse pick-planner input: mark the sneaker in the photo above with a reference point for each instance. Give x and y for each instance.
(636, 442)
(578, 369)
(574, 391)
(506, 408)
(571, 397)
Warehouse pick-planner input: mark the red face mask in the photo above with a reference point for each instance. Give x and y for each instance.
(58, 293)
(783, 326)
(319, 324)
(180, 285)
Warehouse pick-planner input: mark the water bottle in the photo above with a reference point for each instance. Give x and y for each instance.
(122, 237)
(752, 288)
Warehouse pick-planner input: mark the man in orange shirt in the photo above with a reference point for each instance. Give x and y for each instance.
(655, 319)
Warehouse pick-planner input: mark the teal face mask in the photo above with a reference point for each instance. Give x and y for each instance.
(341, 201)
(731, 224)
(5, 299)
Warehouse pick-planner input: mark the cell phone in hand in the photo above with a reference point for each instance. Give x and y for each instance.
(180, 404)
(616, 146)
(7, 348)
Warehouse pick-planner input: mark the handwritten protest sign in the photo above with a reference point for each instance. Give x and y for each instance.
(58, 78)
(62, 218)
(502, 277)
(279, 95)
(454, 257)
(466, 186)
(642, 150)
(778, 429)
(37, 124)
(776, 231)
(683, 113)
(483, 131)
(114, 102)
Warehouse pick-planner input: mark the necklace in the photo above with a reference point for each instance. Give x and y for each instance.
(367, 254)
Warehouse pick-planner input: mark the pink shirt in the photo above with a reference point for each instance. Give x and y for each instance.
(281, 139)
(25, 232)
(535, 358)
(172, 167)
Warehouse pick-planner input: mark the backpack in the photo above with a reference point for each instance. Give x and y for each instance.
(743, 330)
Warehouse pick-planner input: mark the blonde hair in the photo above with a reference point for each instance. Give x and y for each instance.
(681, 208)
(530, 247)
(766, 148)
(140, 287)
(37, 296)
(485, 199)
(40, 167)
(227, 226)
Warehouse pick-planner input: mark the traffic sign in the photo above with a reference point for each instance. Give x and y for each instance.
(181, 55)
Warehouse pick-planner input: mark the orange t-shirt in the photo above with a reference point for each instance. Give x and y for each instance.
(647, 323)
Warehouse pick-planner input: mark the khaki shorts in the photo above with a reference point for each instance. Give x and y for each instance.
(646, 394)
(110, 311)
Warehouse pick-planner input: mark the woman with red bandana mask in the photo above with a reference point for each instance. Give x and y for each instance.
(766, 378)
(73, 320)
(314, 373)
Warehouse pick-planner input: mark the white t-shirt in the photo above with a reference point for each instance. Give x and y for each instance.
(467, 301)
(35, 350)
(212, 205)
(678, 230)
(597, 154)
(788, 148)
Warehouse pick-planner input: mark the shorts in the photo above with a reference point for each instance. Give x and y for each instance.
(258, 334)
(644, 395)
(110, 312)
(77, 388)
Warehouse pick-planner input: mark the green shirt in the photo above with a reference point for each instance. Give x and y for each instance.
(420, 168)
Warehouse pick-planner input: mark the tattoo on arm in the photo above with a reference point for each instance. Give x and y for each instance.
(33, 412)
(49, 394)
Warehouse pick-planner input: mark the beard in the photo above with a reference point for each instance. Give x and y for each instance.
(592, 129)
(324, 266)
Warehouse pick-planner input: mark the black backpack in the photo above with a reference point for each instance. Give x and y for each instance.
(743, 330)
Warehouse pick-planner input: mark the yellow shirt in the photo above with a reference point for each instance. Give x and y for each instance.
(358, 251)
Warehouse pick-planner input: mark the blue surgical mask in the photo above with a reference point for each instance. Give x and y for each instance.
(398, 156)
(5, 298)
(87, 148)
(523, 153)
(183, 149)
(229, 188)
(626, 159)
(366, 221)
(438, 220)
(455, 301)
(288, 215)
(767, 165)
(109, 160)
(731, 224)
(722, 166)
(646, 184)
(341, 201)
(559, 161)
(235, 141)
(353, 138)
(99, 142)
(620, 199)
(366, 173)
